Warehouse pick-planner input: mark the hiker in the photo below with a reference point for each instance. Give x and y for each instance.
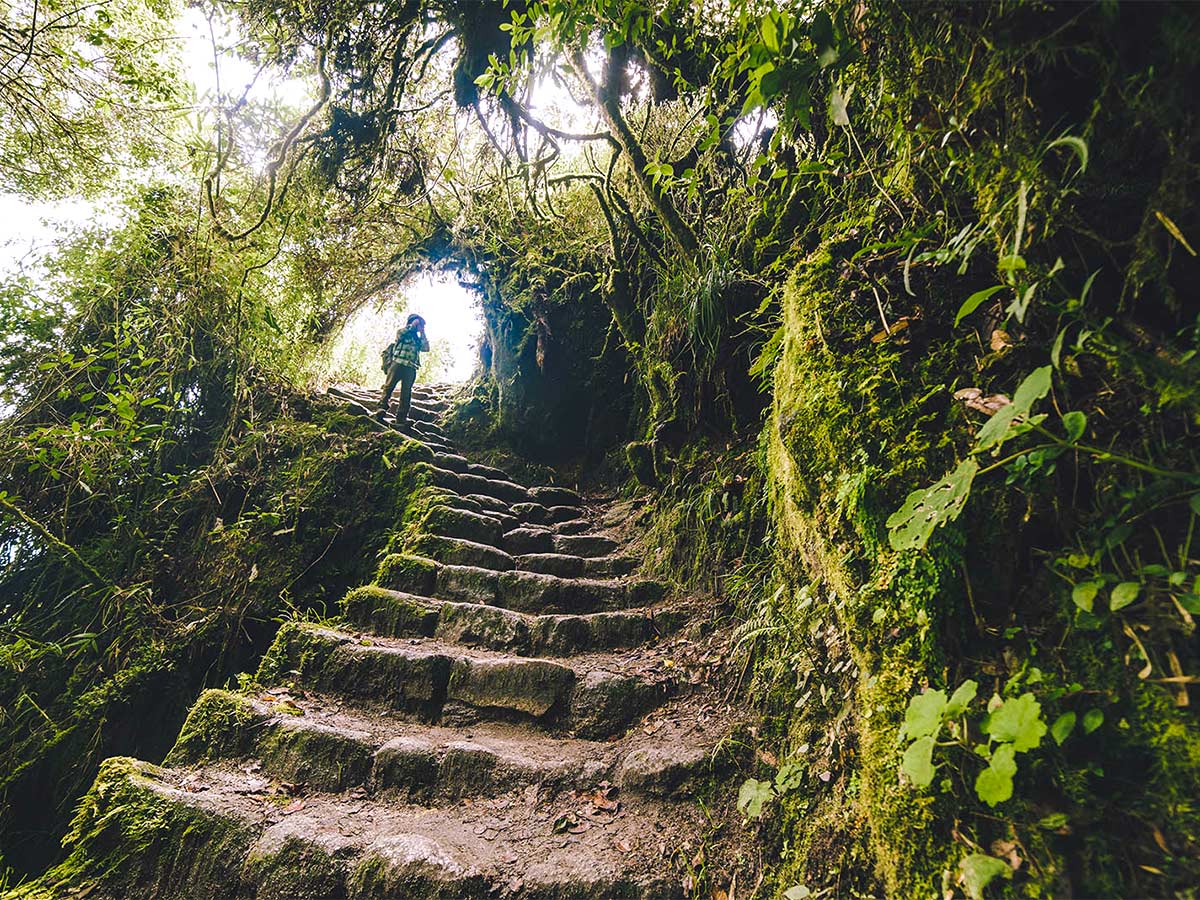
(401, 359)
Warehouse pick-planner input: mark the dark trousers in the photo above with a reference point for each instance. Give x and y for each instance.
(404, 376)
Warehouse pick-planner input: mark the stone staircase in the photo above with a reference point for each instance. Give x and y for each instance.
(509, 711)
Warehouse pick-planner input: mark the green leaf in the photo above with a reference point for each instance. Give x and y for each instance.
(770, 32)
(789, 777)
(1092, 719)
(1018, 720)
(972, 303)
(923, 718)
(996, 429)
(979, 870)
(911, 526)
(993, 787)
(1035, 386)
(1194, 504)
(1075, 424)
(752, 796)
(1011, 263)
(1062, 727)
(797, 892)
(995, 783)
(1084, 594)
(1124, 594)
(1056, 348)
(961, 699)
(918, 762)
(1190, 602)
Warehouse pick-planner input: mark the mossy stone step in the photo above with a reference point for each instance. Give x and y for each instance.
(518, 590)
(587, 545)
(555, 496)
(212, 833)
(488, 472)
(431, 679)
(527, 539)
(571, 526)
(452, 461)
(567, 566)
(398, 614)
(315, 741)
(448, 521)
(507, 491)
(492, 505)
(461, 552)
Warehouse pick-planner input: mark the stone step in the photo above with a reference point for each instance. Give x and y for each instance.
(488, 472)
(571, 526)
(439, 682)
(566, 566)
(452, 461)
(587, 545)
(314, 740)
(518, 590)
(507, 491)
(492, 505)
(397, 614)
(448, 521)
(549, 495)
(460, 552)
(216, 833)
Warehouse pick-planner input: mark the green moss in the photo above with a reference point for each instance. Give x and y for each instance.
(296, 649)
(217, 725)
(297, 870)
(385, 613)
(128, 839)
(404, 572)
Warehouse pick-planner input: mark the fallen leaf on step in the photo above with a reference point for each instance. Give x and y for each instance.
(624, 846)
(294, 806)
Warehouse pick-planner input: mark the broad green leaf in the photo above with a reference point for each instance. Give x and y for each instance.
(1062, 727)
(1092, 719)
(918, 762)
(1124, 594)
(1084, 594)
(1194, 504)
(1018, 720)
(1011, 263)
(973, 302)
(995, 783)
(979, 870)
(770, 32)
(1190, 602)
(923, 718)
(752, 796)
(993, 787)
(1075, 423)
(996, 429)
(961, 699)
(1035, 386)
(910, 527)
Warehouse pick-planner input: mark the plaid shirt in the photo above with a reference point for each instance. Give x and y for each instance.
(408, 348)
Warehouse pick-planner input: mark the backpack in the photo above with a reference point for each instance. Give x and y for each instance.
(388, 354)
